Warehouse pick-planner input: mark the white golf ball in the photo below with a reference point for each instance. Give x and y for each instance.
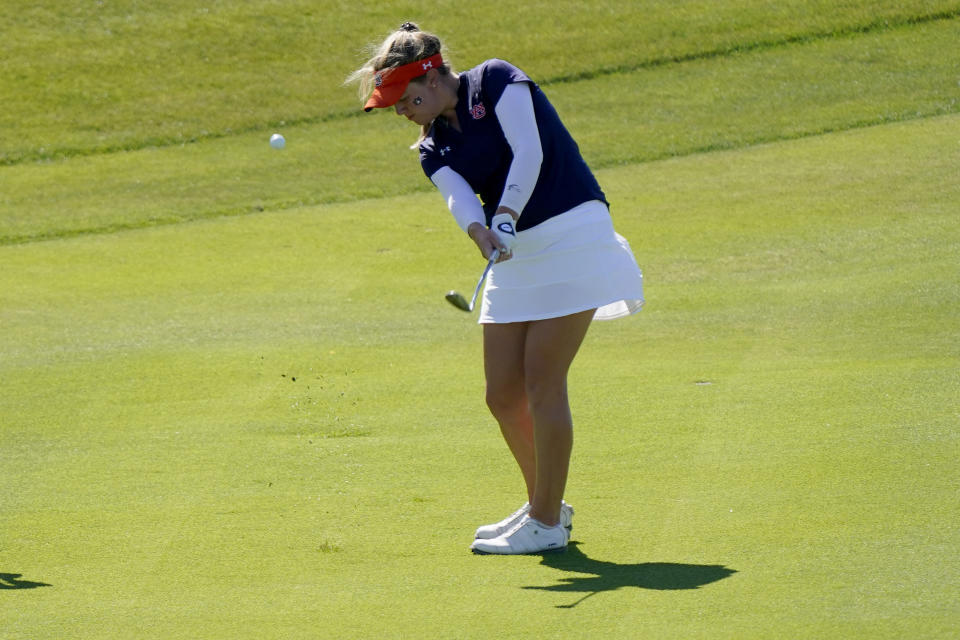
(277, 141)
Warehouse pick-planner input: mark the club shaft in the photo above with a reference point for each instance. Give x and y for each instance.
(483, 276)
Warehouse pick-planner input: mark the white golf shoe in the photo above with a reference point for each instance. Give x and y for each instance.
(490, 531)
(528, 536)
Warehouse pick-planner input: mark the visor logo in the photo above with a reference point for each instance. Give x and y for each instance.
(427, 65)
(378, 80)
(478, 111)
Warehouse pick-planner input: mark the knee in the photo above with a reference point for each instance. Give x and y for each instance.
(546, 394)
(505, 400)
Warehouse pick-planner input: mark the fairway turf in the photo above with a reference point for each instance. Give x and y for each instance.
(271, 424)
(160, 453)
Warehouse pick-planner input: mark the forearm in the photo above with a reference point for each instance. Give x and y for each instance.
(466, 209)
(460, 198)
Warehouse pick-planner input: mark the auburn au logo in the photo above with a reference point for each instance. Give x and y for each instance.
(478, 111)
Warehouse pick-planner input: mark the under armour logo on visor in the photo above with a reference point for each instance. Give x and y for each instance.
(427, 65)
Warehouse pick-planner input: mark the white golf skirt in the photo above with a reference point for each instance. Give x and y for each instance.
(570, 263)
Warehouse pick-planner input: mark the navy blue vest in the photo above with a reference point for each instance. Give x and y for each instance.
(480, 153)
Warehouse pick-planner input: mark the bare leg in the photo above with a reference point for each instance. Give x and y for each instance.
(503, 354)
(526, 367)
(549, 349)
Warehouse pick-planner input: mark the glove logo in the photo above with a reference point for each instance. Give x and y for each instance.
(506, 227)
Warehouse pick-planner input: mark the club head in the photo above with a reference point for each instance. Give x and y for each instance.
(458, 301)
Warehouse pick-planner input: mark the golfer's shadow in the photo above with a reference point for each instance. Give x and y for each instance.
(13, 581)
(610, 576)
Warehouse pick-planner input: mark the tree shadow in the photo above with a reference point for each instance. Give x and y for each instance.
(13, 581)
(610, 576)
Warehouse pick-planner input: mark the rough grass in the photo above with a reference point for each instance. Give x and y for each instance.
(722, 102)
(89, 77)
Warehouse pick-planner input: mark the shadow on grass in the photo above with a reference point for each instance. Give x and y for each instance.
(610, 576)
(13, 581)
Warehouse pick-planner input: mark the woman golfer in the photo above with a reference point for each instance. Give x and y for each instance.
(514, 180)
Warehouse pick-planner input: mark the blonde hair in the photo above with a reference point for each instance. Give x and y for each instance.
(405, 45)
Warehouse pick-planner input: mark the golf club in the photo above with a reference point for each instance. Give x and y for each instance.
(458, 300)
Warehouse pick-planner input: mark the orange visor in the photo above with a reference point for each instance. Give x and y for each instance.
(390, 84)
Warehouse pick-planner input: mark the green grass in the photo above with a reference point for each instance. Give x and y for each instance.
(166, 473)
(120, 75)
(621, 118)
(231, 423)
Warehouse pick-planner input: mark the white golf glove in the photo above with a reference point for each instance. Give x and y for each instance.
(503, 225)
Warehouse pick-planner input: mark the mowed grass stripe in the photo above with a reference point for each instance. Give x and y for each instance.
(673, 110)
(878, 25)
(798, 90)
(121, 76)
